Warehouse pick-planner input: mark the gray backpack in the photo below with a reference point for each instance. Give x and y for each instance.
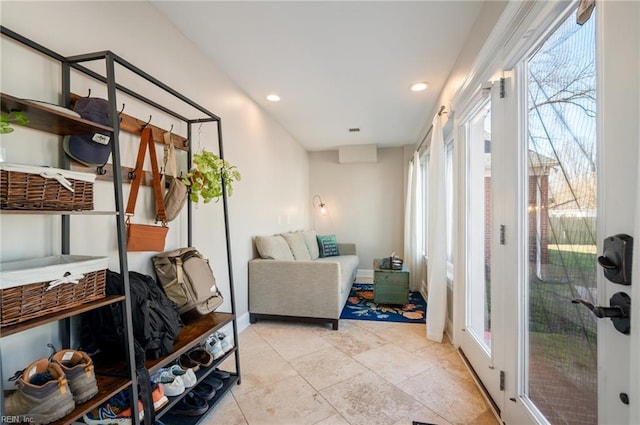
(187, 280)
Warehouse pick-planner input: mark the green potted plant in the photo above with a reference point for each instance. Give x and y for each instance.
(205, 177)
(15, 117)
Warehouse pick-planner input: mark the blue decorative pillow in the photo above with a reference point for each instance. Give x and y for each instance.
(328, 246)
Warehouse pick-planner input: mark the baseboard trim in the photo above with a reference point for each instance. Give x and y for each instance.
(364, 273)
(242, 322)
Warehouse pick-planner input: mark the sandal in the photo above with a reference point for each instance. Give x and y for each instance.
(201, 356)
(187, 362)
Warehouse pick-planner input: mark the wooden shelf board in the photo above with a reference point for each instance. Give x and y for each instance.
(194, 331)
(56, 212)
(46, 119)
(63, 314)
(108, 386)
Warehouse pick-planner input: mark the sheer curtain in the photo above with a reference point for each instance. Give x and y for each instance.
(634, 409)
(437, 237)
(413, 224)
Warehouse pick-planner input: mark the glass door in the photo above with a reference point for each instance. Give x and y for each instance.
(478, 337)
(557, 366)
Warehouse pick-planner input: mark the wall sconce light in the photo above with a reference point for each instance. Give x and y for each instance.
(322, 205)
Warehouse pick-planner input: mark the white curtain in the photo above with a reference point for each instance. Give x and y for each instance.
(634, 391)
(436, 237)
(413, 224)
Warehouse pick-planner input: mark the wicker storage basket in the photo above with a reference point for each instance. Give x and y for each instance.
(25, 187)
(33, 288)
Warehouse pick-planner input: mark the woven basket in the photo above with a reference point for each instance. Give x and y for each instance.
(29, 301)
(30, 191)
(24, 302)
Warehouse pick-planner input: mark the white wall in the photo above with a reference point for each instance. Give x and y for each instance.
(274, 166)
(365, 202)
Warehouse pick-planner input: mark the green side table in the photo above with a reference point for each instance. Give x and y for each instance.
(390, 286)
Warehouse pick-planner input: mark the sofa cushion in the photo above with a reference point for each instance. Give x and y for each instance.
(297, 245)
(273, 247)
(348, 269)
(328, 245)
(311, 240)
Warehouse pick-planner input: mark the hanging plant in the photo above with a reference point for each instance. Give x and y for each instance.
(206, 176)
(15, 117)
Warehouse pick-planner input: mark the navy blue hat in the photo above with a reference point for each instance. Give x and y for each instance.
(93, 148)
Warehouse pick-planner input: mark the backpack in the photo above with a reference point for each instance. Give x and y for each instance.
(156, 321)
(188, 280)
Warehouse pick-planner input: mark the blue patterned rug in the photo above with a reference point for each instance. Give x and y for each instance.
(360, 306)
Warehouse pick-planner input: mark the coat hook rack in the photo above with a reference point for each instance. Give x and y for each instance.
(100, 170)
(148, 122)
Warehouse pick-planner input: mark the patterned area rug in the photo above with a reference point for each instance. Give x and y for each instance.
(360, 306)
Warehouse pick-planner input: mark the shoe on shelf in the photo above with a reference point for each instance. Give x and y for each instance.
(116, 410)
(220, 374)
(188, 377)
(171, 385)
(186, 362)
(78, 369)
(43, 393)
(226, 341)
(204, 390)
(214, 382)
(201, 356)
(158, 396)
(190, 405)
(214, 345)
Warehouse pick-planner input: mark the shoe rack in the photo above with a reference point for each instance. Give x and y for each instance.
(113, 377)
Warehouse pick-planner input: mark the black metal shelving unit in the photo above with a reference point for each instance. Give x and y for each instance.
(198, 328)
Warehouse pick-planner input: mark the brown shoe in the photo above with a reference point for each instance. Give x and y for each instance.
(201, 356)
(43, 395)
(78, 369)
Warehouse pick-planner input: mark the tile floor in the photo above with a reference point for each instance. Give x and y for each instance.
(366, 373)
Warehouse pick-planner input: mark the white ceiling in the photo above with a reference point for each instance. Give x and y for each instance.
(335, 64)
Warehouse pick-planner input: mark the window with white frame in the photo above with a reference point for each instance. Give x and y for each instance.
(449, 206)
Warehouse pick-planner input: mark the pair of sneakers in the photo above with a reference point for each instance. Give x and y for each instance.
(219, 343)
(175, 380)
(48, 389)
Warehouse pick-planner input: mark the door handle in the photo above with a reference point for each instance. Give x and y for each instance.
(619, 312)
(616, 258)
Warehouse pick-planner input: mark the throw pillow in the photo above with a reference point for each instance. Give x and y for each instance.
(310, 238)
(297, 246)
(274, 248)
(328, 246)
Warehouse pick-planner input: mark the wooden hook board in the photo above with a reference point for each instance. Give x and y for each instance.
(108, 173)
(134, 125)
(131, 125)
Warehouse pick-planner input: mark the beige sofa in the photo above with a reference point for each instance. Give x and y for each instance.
(291, 281)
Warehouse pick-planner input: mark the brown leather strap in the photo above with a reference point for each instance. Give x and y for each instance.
(161, 214)
(147, 142)
(139, 173)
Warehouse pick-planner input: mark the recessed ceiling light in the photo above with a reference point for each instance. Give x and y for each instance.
(273, 98)
(422, 85)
